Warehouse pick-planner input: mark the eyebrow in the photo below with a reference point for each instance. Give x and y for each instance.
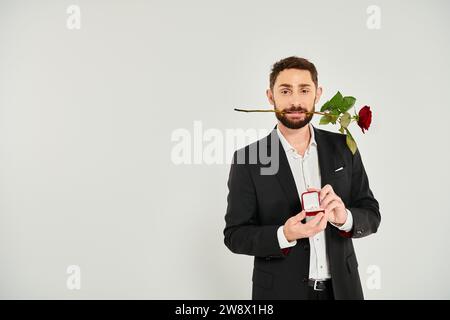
(301, 85)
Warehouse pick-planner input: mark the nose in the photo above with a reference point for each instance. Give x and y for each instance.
(296, 101)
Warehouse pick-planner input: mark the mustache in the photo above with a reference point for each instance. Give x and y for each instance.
(293, 109)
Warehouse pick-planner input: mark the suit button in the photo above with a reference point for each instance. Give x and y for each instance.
(306, 247)
(359, 232)
(305, 279)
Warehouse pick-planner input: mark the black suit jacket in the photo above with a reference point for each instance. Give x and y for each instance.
(259, 204)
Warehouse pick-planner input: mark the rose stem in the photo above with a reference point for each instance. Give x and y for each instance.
(277, 111)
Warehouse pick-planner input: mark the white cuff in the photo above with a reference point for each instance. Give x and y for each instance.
(348, 225)
(284, 243)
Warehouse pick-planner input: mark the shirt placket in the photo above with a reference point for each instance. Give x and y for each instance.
(317, 240)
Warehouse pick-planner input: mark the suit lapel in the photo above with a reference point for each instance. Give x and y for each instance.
(285, 177)
(327, 160)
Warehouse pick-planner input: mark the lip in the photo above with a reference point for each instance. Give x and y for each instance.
(295, 114)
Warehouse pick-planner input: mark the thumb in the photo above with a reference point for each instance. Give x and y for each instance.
(300, 216)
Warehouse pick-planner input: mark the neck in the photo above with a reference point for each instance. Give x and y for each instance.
(298, 138)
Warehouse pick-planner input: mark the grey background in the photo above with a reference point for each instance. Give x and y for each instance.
(87, 117)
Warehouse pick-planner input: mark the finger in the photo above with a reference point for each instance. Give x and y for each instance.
(314, 221)
(312, 189)
(332, 205)
(323, 222)
(299, 216)
(328, 199)
(327, 215)
(325, 190)
(302, 215)
(332, 210)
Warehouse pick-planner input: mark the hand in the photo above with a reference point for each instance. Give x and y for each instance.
(294, 229)
(333, 205)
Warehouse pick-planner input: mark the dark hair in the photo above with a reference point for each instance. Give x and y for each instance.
(293, 63)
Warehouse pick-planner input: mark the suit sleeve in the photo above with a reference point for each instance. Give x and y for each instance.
(243, 234)
(364, 207)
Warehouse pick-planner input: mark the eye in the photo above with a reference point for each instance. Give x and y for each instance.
(284, 91)
(305, 91)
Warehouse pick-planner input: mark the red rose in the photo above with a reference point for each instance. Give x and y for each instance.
(364, 118)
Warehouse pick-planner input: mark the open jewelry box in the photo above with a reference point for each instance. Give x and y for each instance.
(311, 203)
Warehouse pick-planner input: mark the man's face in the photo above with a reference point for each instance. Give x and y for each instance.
(294, 92)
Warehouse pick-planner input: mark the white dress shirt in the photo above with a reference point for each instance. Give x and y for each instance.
(306, 172)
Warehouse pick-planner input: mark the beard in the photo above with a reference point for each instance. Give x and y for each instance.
(296, 123)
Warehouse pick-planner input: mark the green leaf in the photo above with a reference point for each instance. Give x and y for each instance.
(341, 129)
(337, 99)
(335, 112)
(325, 119)
(351, 142)
(325, 107)
(333, 118)
(345, 119)
(347, 103)
(334, 103)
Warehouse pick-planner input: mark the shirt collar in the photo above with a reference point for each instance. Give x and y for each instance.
(287, 146)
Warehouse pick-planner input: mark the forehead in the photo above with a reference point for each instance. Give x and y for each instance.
(294, 77)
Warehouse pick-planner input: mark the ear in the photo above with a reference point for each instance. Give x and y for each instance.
(270, 96)
(318, 94)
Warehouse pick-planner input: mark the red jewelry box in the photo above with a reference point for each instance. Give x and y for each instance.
(311, 203)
